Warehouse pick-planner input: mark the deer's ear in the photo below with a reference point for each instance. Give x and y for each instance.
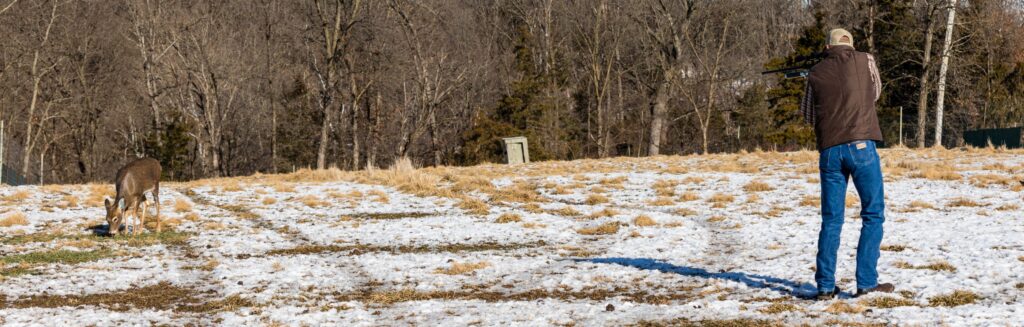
(120, 204)
(106, 202)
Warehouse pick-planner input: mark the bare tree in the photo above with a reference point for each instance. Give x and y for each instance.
(664, 24)
(941, 96)
(436, 75)
(39, 71)
(925, 81)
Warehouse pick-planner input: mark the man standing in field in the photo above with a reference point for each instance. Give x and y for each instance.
(839, 101)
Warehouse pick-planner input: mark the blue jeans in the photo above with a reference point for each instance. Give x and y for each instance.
(837, 164)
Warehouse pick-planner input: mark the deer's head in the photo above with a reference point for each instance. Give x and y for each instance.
(113, 216)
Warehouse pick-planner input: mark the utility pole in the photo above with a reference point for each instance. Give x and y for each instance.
(942, 73)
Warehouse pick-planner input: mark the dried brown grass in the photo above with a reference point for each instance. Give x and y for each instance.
(955, 299)
(721, 198)
(508, 217)
(662, 201)
(312, 201)
(458, 268)
(810, 201)
(964, 202)
(474, 206)
(603, 229)
(182, 205)
(843, 307)
(594, 199)
(757, 186)
(644, 221)
(19, 195)
(14, 219)
(689, 196)
(565, 211)
(888, 302)
(604, 212)
(931, 170)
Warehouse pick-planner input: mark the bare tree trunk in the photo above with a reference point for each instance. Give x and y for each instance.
(354, 130)
(871, 26)
(321, 152)
(922, 95)
(373, 118)
(435, 148)
(658, 111)
(37, 78)
(940, 97)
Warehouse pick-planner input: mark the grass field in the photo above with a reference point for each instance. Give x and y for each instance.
(670, 240)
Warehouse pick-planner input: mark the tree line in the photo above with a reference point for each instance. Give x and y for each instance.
(234, 87)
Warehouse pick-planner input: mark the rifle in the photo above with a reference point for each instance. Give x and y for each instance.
(801, 69)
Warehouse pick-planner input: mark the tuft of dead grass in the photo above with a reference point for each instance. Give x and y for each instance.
(918, 204)
(715, 219)
(603, 229)
(19, 195)
(777, 308)
(985, 180)
(69, 201)
(268, 200)
(1008, 207)
(462, 268)
(843, 307)
(756, 186)
(98, 192)
(284, 188)
(605, 212)
(685, 212)
(644, 221)
(955, 299)
(565, 211)
(689, 196)
(508, 217)
(964, 202)
(887, 302)
(935, 265)
(594, 199)
(665, 188)
(474, 206)
(14, 219)
(893, 248)
(931, 170)
(181, 205)
(810, 201)
(532, 208)
(381, 196)
(721, 198)
(661, 202)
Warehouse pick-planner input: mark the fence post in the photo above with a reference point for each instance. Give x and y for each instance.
(901, 125)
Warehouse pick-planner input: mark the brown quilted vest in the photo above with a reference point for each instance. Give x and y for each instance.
(843, 98)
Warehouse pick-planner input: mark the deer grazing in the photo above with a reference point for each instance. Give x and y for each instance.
(131, 182)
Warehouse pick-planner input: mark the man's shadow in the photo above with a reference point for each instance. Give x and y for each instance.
(785, 286)
(99, 229)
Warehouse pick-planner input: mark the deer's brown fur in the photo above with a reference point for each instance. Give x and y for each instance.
(131, 182)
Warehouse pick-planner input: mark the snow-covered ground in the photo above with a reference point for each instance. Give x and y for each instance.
(665, 240)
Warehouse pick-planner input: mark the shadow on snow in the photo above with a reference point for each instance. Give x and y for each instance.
(801, 290)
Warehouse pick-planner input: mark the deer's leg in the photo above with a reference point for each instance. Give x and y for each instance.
(156, 197)
(135, 223)
(142, 221)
